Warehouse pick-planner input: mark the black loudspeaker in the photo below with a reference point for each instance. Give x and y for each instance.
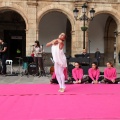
(32, 69)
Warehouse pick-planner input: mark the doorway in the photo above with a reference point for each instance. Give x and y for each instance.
(16, 43)
(12, 31)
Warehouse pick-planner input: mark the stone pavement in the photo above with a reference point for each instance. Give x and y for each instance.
(34, 79)
(24, 80)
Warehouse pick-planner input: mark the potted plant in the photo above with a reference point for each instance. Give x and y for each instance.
(84, 28)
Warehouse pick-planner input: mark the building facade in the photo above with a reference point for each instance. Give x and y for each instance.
(24, 21)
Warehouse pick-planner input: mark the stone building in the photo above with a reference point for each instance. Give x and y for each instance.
(24, 21)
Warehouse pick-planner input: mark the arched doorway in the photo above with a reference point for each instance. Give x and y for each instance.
(101, 36)
(12, 31)
(51, 25)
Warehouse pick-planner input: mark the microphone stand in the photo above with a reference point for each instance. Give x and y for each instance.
(89, 52)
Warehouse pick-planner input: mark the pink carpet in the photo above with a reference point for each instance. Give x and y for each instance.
(43, 102)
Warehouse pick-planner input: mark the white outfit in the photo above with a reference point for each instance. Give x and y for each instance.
(60, 63)
(37, 50)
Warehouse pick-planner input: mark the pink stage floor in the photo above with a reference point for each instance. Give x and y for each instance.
(43, 102)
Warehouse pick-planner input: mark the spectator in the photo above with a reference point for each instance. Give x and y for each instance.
(85, 54)
(77, 73)
(98, 56)
(94, 74)
(110, 74)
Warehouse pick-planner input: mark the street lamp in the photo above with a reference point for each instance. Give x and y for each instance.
(84, 18)
(75, 12)
(115, 33)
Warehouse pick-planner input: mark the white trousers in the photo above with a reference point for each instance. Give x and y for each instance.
(59, 71)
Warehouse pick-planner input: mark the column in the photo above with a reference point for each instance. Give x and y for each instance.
(117, 48)
(77, 39)
(31, 33)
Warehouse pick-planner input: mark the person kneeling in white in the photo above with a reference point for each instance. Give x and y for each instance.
(59, 58)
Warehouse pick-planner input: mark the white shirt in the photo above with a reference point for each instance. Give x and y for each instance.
(37, 50)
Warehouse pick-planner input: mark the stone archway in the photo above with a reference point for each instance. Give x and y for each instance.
(22, 11)
(109, 10)
(101, 34)
(58, 8)
(62, 9)
(17, 8)
(12, 31)
(116, 16)
(51, 25)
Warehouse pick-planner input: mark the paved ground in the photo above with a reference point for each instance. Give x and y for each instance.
(33, 79)
(23, 80)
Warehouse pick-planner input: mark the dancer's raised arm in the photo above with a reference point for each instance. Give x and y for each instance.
(53, 42)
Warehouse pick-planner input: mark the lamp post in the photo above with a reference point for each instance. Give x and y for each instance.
(89, 46)
(89, 49)
(116, 34)
(84, 18)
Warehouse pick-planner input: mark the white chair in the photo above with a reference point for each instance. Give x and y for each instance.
(9, 63)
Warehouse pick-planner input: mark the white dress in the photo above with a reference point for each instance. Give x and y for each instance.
(59, 56)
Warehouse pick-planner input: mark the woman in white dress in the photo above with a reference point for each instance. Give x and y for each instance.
(59, 58)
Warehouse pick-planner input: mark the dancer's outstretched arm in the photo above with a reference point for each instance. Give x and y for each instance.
(53, 42)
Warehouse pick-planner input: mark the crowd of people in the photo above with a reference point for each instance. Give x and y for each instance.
(109, 76)
(60, 65)
(78, 77)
